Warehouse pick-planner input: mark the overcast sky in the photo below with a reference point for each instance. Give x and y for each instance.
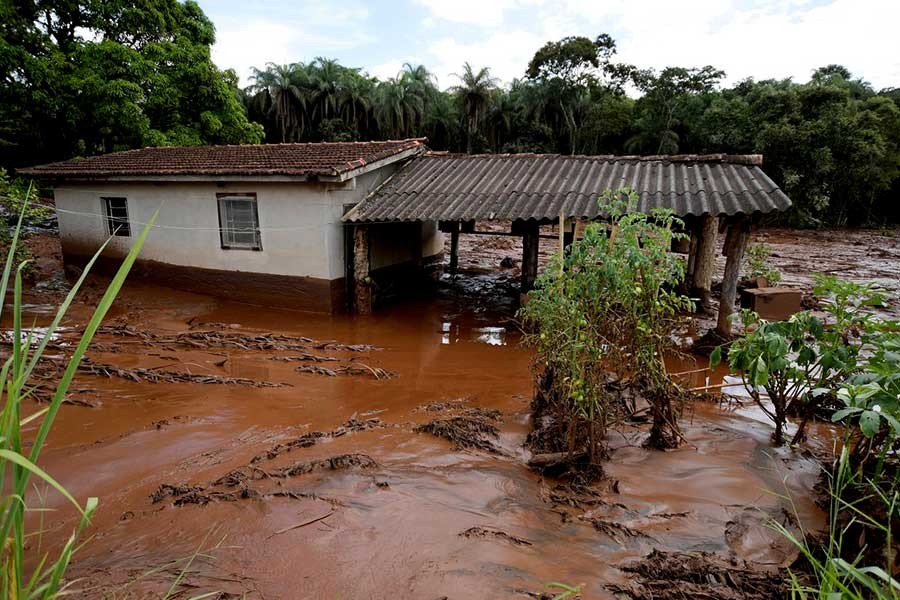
(758, 38)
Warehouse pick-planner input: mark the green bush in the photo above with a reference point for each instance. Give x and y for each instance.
(609, 309)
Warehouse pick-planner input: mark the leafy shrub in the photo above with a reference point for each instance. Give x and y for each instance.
(607, 314)
(757, 257)
(800, 363)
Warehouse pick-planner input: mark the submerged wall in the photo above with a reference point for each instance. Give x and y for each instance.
(301, 263)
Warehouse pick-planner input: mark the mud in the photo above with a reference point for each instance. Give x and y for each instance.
(324, 488)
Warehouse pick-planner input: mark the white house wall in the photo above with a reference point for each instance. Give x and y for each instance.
(300, 223)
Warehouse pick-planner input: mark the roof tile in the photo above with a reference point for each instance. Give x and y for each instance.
(313, 159)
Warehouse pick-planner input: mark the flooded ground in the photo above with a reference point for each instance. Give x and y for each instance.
(298, 471)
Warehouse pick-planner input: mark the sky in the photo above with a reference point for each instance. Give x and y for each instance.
(745, 38)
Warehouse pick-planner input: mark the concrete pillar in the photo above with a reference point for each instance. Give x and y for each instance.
(735, 246)
(530, 245)
(705, 260)
(362, 282)
(454, 249)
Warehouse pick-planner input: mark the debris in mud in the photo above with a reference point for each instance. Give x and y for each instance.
(477, 412)
(332, 463)
(210, 338)
(239, 478)
(671, 576)
(494, 533)
(352, 425)
(464, 432)
(304, 441)
(306, 357)
(614, 529)
(353, 368)
(141, 375)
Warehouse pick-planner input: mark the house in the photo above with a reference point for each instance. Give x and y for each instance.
(256, 223)
(334, 225)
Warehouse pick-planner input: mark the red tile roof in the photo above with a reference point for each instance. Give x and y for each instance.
(329, 159)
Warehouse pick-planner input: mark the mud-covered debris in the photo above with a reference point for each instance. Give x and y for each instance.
(443, 405)
(304, 441)
(484, 413)
(240, 341)
(306, 357)
(332, 463)
(464, 432)
(494, 533)
(352, 368)
(143, 375)
(354, 425)
(311, 438)
(671, 576)
(345, 347)
(614, 529)
(169, 491)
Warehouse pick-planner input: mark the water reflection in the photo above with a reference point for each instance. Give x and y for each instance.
(454, 333)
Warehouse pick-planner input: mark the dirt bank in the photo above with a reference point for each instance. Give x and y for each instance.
(330, 483)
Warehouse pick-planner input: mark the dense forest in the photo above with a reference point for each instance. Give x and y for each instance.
(90, 76)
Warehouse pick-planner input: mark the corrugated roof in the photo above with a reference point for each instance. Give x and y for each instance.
(315, 159)
(436, 187)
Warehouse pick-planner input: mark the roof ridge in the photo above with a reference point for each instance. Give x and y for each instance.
(744, 159)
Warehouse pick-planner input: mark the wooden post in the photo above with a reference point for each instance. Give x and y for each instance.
(705, 260)
(735, 245)
(692, 254)
(530, 241)
(362, 282)
(454, 249)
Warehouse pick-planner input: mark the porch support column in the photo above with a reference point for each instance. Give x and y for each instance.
(530, 244)
(692, 253)
(454, 249)
(735, 245)
(705, 260)
(362, 282)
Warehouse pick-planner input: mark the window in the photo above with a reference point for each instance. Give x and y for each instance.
(239, 222)
(116, 211)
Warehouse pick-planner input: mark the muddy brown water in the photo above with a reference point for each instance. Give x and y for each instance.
(393, 530)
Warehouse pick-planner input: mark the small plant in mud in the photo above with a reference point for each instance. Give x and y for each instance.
(44, 579)
(758, 264)
(601, 322)
(795, 367)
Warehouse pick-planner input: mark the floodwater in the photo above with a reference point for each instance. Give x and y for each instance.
(390, 527)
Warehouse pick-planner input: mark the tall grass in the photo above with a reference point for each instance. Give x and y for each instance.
(44, 578)
(831, 576)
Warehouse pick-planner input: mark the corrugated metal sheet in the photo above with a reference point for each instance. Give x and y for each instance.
(538, 187)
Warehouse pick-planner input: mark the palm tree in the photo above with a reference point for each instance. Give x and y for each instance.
(419, 82)
(284, 86)
(474, 92)
(397, 108)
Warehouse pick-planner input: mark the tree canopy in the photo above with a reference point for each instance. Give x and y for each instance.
(88, 76)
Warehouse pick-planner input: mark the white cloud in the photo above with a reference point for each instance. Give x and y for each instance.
(483, 13)
(387, 70)
(762, 39)
(300, 32)
(506, 53)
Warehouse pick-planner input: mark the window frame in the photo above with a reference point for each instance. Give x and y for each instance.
(220, 209)
(124, 227)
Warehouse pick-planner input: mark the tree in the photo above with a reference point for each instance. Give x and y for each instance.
(281, 88)
(83, 77)
(475, 91)
(666, 94)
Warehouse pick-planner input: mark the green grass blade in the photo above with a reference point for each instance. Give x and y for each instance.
(89, 331)
(18, 459)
